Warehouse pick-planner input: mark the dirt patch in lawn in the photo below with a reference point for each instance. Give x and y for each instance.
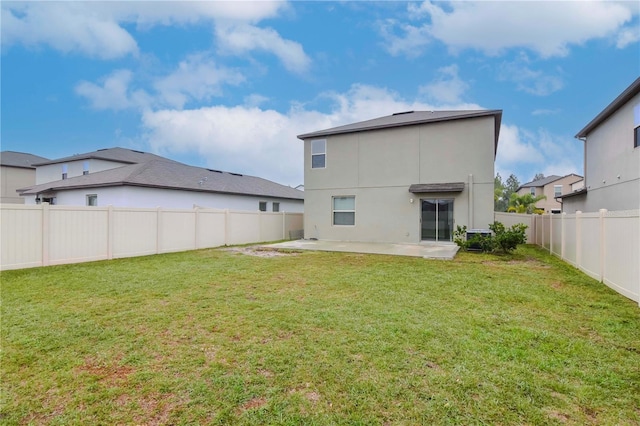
(262, 251)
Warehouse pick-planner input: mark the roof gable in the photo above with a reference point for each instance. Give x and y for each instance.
(117, 154)
(20, 159)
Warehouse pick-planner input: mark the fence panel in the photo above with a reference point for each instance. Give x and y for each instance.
(243, 227)
(211, 226)
(556, 234)
(22, 237)
(272, 226)
(590, 244)
(177, 230)
(510, 219)
(622, 253)
(134, 232)
(77, 234)
(569, 252)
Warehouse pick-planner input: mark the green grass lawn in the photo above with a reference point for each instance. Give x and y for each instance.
(217, 337)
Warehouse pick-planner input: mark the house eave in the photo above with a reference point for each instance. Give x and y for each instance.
(427, 188)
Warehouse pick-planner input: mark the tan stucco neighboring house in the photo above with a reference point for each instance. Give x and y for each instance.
(551, 187)
(17, 170)
(404, 178)
(611, 157)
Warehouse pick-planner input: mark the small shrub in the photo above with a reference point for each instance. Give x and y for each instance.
(504, 240)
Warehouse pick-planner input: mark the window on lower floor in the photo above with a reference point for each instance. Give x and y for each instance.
(344, 210)
(262, 206)
(92, 200)
(276, 207)
(557, 190)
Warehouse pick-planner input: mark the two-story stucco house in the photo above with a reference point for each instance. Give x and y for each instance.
(611, 158)
(17, 170)
(405, 178)
(551, 187)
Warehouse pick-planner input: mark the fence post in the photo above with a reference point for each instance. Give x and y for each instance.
(226, 227)
(196, 227)
(45, 234)
(110, 232)
(550, 234)
(578, 238)
(602, 243)
(562, 235)
(158, 229)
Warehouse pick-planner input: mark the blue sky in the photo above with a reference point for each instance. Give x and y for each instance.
(229, 85)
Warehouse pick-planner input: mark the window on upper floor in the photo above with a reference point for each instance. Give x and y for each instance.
(318, 154)
(636, 137)
(557, 190)
(532, 191)
(85, 168)
(65, 169)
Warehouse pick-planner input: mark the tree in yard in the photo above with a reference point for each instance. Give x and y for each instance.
(524, 203)
(500, 203)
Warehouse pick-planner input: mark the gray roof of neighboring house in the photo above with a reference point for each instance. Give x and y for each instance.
(409, 118)
(121, 155)
(167, 174)
(545, 181)
(20, 159)
(618, 102)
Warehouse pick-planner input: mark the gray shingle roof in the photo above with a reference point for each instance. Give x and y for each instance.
(407, 119)
(122, 155)
(540, 182)
(163, 173)
(618, 102)
(20, 159)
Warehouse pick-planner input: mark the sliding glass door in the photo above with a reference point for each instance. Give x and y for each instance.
(437, 219)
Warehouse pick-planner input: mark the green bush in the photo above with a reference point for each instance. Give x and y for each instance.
(503, 240)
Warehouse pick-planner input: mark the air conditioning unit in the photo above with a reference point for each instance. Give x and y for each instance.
(485, 233)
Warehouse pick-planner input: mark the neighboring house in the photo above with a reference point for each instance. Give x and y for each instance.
(611, 158)
(551, 187)
(138, 179)
(408, 177)
(16, 171)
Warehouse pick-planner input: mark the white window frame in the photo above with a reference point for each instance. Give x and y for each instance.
(532, 191)
(322, 152)
(557, 193)
(334, 210)
(92, 197)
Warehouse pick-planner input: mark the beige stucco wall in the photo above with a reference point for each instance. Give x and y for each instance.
(13, 178)
(612, 165)
(377, 167)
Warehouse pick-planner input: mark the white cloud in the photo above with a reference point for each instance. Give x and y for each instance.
(627, 36)
(526, 153)
(196, 78)
(113, 93)
(66, 27)
(239, 39)
(529, 80)
(447, 88)
(96, 29)
(547, 28)
(545, 111)
(407, 40)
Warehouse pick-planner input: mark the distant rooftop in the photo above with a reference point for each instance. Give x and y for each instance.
(20, 159)
(121, 155)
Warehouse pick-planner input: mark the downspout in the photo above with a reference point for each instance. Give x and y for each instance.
(471, 202)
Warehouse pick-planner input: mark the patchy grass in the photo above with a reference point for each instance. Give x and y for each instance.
(217, 337)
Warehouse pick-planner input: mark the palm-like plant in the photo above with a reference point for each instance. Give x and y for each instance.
(525, 203)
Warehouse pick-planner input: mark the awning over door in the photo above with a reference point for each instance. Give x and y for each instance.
(418, 188)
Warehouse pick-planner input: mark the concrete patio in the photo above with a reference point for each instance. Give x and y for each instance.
(424, 250)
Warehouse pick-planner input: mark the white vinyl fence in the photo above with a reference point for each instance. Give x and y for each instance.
(605, 245)
(42, 235)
